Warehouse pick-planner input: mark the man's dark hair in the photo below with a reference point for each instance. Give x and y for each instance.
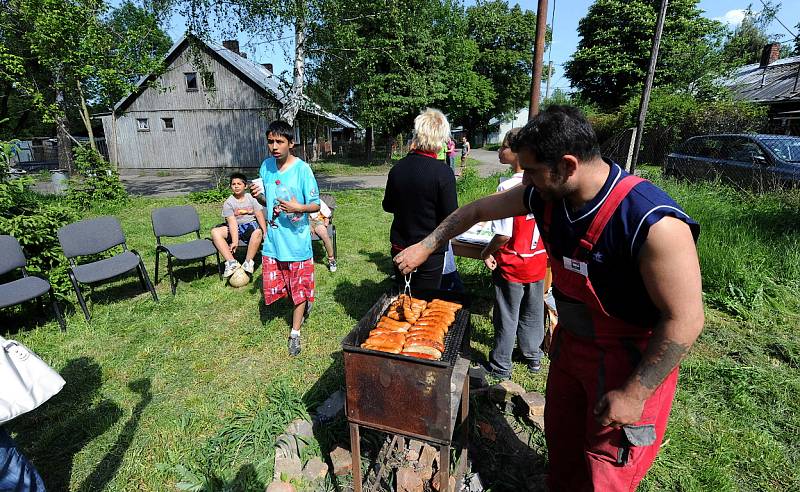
(238, 176)
(555, 132)
(281, 128)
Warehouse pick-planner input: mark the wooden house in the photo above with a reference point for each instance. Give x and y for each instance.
(208, 110)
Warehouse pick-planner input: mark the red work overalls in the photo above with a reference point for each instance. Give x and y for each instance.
(593, 353)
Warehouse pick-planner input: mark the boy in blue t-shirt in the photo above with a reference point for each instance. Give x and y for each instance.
(289, 194)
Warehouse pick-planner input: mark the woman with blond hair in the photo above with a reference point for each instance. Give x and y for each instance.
(421, 192)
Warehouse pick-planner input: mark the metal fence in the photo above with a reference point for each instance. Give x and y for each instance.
(753, 162)
(41, 153)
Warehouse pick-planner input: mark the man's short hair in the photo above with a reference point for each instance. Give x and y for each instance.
(556, 132)
(281, 128)
(238, 176)
(431, 129)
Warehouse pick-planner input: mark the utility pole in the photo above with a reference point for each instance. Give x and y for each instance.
(538, 58)
(648, 84)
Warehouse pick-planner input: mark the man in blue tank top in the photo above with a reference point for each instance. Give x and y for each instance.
(627, 284)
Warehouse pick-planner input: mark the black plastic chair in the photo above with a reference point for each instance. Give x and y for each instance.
(93, 236)
(27, 287)
(175, 222)
(330, 201)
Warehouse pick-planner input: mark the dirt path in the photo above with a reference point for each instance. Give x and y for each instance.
(171, 186)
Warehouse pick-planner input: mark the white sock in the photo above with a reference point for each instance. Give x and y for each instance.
(294, 333)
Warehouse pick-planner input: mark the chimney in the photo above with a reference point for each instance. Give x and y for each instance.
(770, 53)
(231, 44)
(268, 66)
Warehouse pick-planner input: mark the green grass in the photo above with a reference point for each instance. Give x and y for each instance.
(354, 167)
(192, 391)
(348, 167)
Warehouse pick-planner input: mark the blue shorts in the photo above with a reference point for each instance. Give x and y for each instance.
(246, 230)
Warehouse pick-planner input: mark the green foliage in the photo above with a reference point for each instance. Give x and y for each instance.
(34, 221)
(75, 52)
(394, 58)
(212, 195)
(504, 37)
(614, 50)
(98, 181)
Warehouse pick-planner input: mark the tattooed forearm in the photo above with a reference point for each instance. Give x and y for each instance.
(659, 362)
(455, 223)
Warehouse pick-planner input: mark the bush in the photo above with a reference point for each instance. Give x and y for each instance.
(97, 180)
(34, 221)
(213, 195)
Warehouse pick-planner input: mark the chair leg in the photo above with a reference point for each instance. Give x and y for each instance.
(204, 264)
(78, 293)
(158, 252)
(148, 285)
(172, 282)
(219, 266)
(141, 279)
(57, 311)
(335, 251)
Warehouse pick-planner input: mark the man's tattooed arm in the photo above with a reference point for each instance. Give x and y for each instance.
(661, 357)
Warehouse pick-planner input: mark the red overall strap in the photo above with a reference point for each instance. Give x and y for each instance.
(607, 209)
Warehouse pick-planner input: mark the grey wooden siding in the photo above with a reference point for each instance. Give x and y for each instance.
(212, 129)
(201, 139)
(170, 93)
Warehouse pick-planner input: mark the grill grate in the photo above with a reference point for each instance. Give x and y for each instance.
(453, 341)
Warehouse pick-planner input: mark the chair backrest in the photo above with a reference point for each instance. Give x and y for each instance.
(175, 221)
(90, 236)
(11, 255)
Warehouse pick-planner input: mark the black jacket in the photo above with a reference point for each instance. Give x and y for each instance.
(420, 192)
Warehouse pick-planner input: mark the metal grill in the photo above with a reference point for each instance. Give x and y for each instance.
(453, 341)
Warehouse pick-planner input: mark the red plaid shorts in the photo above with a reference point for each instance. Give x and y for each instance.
(282, 278)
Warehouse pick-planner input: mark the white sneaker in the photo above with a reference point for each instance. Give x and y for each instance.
(332, 264)
(230, 267)
(248, 266)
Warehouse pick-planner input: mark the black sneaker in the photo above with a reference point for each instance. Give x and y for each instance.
(294, 345)
(534, 367)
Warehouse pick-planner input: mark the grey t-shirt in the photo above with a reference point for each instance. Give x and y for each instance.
(244, 210)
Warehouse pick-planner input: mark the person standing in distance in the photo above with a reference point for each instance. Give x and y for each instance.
(627, 286)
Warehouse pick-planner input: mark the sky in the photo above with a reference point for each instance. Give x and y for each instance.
(565, 25)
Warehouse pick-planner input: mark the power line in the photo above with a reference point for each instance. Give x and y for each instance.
(794, 36)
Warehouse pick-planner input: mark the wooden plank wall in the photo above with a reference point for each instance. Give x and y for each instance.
(212, 128)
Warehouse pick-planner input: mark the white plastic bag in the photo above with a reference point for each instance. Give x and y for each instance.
(25, 380)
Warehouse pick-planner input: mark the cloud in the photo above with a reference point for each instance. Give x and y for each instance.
(732, 17)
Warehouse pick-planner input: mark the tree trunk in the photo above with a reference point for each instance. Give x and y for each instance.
(369, 142)
(295, 99)
(87, 121)
(64, 143)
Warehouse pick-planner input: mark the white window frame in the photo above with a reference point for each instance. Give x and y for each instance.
(164, 123)
(142, 125)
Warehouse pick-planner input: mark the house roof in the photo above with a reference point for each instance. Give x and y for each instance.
(255, 74)
(774, 83)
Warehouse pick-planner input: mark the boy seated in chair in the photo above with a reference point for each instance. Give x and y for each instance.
(244, 220)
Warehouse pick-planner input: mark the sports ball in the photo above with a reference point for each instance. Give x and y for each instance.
(239, 278)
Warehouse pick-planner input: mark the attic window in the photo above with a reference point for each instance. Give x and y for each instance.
(142, 125)
(208, 81)
(169, 124)
(191, 81)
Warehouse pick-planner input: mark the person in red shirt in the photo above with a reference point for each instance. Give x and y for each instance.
(518, 262)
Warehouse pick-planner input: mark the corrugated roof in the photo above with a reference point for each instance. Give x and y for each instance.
(771, 84)
(255, 72)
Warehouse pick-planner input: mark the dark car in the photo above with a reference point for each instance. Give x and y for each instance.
(751, 160)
